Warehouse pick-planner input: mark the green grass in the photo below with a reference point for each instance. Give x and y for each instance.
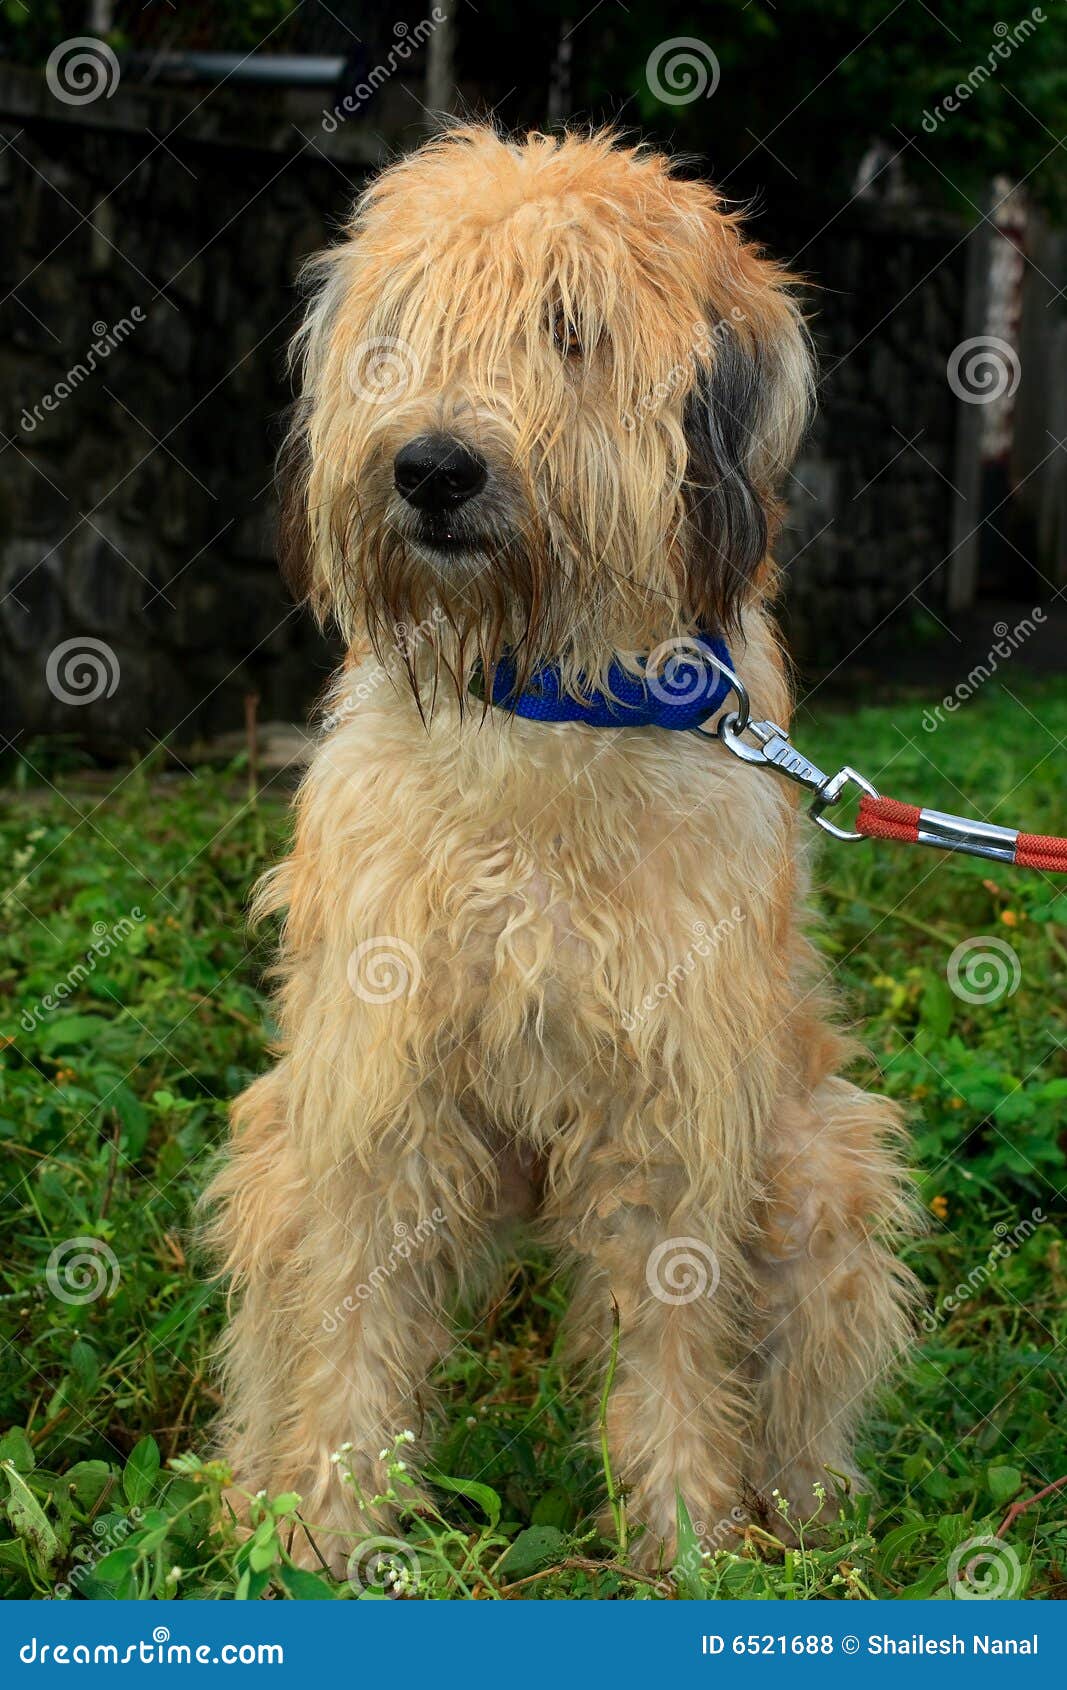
(113, 1096)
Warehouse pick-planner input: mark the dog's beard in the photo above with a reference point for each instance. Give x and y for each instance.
(453, 595)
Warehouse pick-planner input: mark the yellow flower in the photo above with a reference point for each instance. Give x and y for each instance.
(939, 1207)
(1010, 918)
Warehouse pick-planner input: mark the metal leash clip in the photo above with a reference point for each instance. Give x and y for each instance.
(776, 751)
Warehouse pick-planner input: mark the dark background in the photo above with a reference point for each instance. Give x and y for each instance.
(136, 512)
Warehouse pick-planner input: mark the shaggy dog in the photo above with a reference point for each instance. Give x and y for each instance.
(549, 969)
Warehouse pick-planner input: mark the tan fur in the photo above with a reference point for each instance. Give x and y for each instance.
(540, 884)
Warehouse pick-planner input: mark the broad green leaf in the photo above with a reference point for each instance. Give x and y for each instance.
(28, 1518)
(69, 1031)
(15, 1447)
(115, 1566)
(534, 1548)
(1003, 1482)
(263, 1555)
(141, 1471)
(286, 1503)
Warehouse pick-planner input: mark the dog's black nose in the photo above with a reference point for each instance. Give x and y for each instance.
(437, 472)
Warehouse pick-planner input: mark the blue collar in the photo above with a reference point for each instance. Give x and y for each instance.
(687, 687)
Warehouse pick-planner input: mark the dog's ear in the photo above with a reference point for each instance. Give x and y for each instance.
(744, 418)
(294, 529)
(302, 544)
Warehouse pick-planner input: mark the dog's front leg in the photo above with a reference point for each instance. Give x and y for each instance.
(344, 1276)
(834, 1298)
(679, 1404)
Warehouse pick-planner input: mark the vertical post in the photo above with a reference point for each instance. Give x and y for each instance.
(440, 63)
(962, 578)
(1041, 417)
(102, 221)
(559, 87)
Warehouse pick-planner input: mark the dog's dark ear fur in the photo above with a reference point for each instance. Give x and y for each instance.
(294, 538)
(744, 419)
(727, 522)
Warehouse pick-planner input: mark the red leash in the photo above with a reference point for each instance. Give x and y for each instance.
(888, 818)
(878, 817)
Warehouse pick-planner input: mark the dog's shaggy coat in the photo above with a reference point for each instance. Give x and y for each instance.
(550, 970)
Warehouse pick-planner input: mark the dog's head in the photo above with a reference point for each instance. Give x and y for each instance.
(549, 394)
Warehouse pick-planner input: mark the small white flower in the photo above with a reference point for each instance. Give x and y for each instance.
(408, 1437)
(383, 1455)
(174, 1575)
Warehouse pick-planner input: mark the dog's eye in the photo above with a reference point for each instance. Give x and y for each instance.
(565, 336)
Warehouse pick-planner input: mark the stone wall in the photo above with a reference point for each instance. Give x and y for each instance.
(871, 503)
(142, 368)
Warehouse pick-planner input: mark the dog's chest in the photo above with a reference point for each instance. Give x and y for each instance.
(523, 922)
(539, 880)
